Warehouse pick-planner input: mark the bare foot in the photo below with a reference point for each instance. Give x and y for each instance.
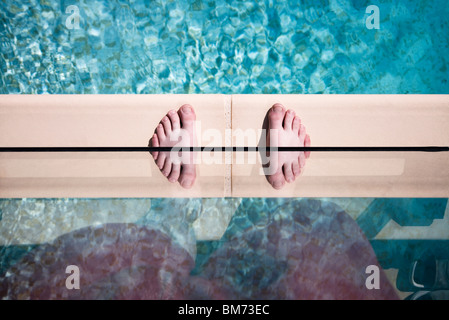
(284, 129)
(176, 129)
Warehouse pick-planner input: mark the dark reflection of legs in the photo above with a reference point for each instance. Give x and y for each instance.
(273, 249)
(295, 250)
(116, 261)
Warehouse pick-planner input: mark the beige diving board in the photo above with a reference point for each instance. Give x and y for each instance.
(98, 121)
(355, 120)
(222, 120)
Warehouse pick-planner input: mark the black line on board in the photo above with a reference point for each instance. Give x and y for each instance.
(225, 149)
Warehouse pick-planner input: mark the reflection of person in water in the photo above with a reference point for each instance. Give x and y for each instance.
(284, 129)
(281, 249)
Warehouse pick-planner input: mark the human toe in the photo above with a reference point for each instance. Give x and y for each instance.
(174, 119)
(288, 119)
(187, 116)
(288, 173)
(276, 116)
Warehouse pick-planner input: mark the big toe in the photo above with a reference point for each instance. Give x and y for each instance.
(276, 116)
(187, 116)
(277, 180)
(187, 176)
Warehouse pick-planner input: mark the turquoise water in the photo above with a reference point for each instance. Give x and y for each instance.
(224, 47)
(228, 47)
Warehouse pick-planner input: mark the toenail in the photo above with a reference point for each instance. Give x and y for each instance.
(164, 119)
(172, 179)
(277, 108)
(186, 109)
(186, 183)
(172, 112)
(278, 184)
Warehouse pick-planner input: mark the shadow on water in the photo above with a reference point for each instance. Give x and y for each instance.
(272, 249)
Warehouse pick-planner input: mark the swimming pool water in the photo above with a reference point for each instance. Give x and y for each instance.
(225, 47)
